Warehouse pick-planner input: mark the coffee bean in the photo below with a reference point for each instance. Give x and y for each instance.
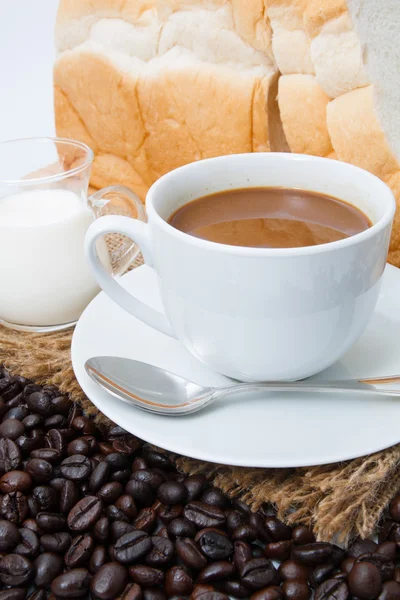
(29, 543)
(11, 429)
(99, 476)
(278, 550)
(78, 446)
(109, 581)
(215, 545)
(128, 446)
(171, 492)
(10, 455)
(72, 584)
(302, 535)
(41, 403)
(131, 592)
(388, 549)
(242, 553)
(141, 491)
(85, 513)
(69, 496)
(258, 573)
(138, 464)
(317, 553)
(390, 591)
(277, 530)
(126, 503)
(15, 594)
(233, 588)
(347, 564)
(216, 571)
(258, 521)
(117, 461)
(153, 594)
(101, 529)
(15, 481)
(9, 388)
(56, 439)
(194, 486)
(18, 412)
(158, 461)
(181, 527)
(14, 507)
(56, 422)
(234, 519)
(62, 405)
(296, 590)
(189, 553)
(30, 442)
(15, 570)
(145, 520)
(383, 563)
(167, 513)
(49, 454)
(9, 535)
(214, 497)
(50, 522)
(115, 514)
(161, 554)
(120, 476)
(77, 467)
(146, 576)
(394, 509)
(322, 572)
(80, 551)
(202, 515)
(56, 542)
(40, 470)
(272, 592)
(46, 498)
(32, 421)
(132, 546)
(360, 547)
(118, 529)
(365, 581)
(293, 570)
(207, 592)
(47, 567)
(178, 582)
(332, 589)
(98, 559)
(110, 492)
(245, 533)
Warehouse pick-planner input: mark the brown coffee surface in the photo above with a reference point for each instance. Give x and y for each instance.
(270, 218)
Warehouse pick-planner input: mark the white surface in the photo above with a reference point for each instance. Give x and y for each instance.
(258, 314)
(274, 431)
(26, 62)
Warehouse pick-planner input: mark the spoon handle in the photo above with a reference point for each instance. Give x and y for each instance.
(334, 387)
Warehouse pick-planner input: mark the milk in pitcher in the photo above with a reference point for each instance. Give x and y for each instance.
(44, 277)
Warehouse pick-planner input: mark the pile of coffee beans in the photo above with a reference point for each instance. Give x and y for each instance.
(90, 512)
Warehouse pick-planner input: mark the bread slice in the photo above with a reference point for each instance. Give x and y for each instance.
(154, 85)
(347, 104)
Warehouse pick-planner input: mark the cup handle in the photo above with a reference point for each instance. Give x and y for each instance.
(138, 231)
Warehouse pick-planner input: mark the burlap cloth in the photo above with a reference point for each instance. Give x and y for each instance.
(341, 500)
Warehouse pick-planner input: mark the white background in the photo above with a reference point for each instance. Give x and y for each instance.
(26, 60)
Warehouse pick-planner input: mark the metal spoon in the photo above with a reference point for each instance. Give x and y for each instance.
(156, 390)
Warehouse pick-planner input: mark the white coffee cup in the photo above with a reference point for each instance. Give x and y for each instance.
(257, 314)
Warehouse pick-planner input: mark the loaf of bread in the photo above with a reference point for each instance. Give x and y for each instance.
(154, 84)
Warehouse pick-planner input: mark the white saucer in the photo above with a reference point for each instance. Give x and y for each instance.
(271, 431)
